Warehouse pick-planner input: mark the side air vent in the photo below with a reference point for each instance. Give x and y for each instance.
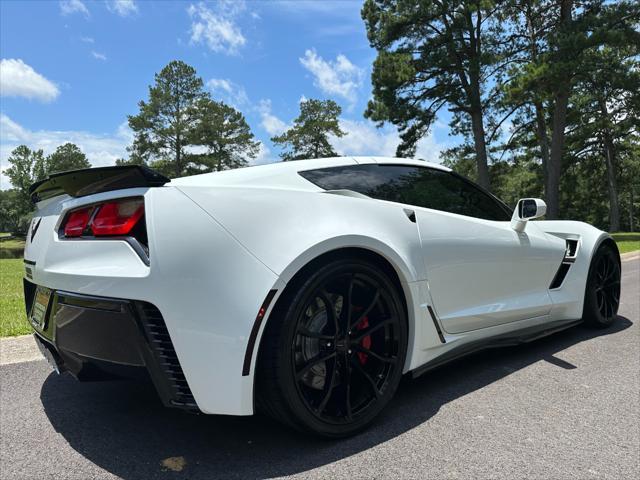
(166, 357)
(570, 255)
(572, 250)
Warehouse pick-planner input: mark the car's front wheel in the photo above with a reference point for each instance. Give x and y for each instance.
(602, 295)
(334, 348)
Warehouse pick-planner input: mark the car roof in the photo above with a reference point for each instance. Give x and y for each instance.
(285, 173)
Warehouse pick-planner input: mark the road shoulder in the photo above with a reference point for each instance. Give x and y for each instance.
(19, 349)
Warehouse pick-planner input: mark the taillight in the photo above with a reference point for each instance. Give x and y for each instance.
(112, 218)
(117, 218)
(76, 222)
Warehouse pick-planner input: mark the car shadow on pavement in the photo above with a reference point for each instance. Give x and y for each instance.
(123, 428)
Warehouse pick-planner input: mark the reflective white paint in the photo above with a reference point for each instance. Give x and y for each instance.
(219, 242)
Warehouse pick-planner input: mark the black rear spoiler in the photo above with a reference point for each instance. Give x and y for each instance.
(78, 183)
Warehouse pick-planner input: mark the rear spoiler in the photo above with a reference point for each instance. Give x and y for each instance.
(78, 183)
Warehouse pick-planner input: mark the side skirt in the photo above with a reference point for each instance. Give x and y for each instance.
(504, 340)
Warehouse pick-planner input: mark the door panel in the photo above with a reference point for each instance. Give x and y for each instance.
(482, 273)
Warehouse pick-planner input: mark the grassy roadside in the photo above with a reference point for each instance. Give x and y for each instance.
(13, 320)
(627, 242)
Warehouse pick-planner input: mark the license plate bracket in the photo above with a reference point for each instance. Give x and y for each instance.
(40, 307)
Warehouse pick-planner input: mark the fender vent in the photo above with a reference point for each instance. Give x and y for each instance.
(560, 275)
(570, 255)
(165, 355)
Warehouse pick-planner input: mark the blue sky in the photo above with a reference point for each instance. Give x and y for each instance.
(73, 70)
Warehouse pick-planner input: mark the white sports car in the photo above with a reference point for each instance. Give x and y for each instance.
(301, 289)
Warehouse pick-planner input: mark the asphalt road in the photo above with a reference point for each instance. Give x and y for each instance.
(567, 406)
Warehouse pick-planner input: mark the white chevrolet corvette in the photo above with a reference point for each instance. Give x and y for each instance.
(301, 289)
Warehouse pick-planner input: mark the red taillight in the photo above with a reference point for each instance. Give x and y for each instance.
(117, 218)
(77, 222)
(113, 218)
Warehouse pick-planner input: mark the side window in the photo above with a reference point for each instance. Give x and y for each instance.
(448, 192)
(420, 186)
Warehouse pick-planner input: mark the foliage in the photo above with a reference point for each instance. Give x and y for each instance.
(431, 55)
(165, 122)
(309, 135)
(181, 131)
(225, 134)
(27, 167)
(560, 75)
(132, 160)
(66, 157)
(11, 211)
(560, 46)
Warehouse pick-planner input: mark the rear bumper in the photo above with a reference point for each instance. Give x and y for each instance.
(92, 337)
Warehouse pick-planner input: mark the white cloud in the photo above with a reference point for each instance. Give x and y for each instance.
(87, 39)
(11, 131)
(364, 138)
(101, 150)
(339, 77)
(123, 8)
(17, 79)
(216, 27)
(69, 7)
(98, 56)
(264, 156)
(228, 91)
(272, 124)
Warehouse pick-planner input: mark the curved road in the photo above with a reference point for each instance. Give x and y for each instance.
(567, 406)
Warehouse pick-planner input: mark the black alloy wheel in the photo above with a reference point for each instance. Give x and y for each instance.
(340, 349)
(602, 297)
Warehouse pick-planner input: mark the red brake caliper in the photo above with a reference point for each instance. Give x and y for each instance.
(366, 341)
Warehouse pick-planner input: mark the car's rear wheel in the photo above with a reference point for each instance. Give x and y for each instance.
(334, 348)
(602, 295)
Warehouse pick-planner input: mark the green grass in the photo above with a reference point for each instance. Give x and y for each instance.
(13, 320)
(627, 242)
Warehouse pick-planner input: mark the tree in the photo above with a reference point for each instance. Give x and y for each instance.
(309, 136)
(66, 157)
(132, 160)
(10, 212)
(559, 34)
(225, 134)
(165, 122)
(27, 167)
(433, 54)
(521, 93)
(604, 121)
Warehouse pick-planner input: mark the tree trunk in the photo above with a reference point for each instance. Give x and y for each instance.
(610, 161)
(541, 124)
(612, 184)
(631, 219)
(480, 148)
(554, 167)
(561, 100)
(543, 139)
(178, 157)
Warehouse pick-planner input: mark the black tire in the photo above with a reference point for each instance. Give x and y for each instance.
(320, 373)
(602, 295)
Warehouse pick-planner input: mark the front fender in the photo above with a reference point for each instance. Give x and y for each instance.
(568, 300)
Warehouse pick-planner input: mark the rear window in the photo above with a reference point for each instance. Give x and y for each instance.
(412, 185)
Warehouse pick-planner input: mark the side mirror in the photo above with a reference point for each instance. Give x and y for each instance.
(527, 209)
